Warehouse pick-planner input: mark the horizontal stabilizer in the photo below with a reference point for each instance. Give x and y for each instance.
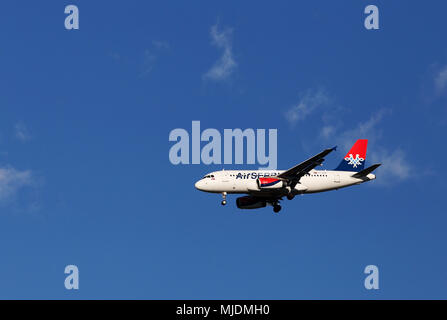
(366, 171)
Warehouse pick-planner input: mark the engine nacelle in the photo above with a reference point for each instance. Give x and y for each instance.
(270, 183)
(248, 202)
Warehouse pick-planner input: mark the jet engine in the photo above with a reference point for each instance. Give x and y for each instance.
(270, 183)
(248, 202)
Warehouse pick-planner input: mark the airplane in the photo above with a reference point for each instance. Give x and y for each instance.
(268, 187)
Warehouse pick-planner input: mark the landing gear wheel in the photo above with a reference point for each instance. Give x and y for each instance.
(290, 196)
(276, 208)
(224, 198)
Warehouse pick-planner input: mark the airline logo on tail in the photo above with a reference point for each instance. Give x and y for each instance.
(354, 160)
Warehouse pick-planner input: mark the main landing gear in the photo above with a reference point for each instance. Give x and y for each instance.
(224, 198)
(276, 208)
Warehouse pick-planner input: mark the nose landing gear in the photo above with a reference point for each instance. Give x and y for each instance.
(224, 198)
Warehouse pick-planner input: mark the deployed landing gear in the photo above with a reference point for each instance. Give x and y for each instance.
(290, 197)
(276, 208)
(224, 198)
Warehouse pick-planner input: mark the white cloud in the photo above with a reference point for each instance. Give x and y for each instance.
(160, 44)
(21, 132)
(115, 56)
(11, 181)
(368, 129)
(151, 55)
(308, 103)
(333, 130)
(226, 64)
(395, 166)
(148, 61)
(441, 80)
(327, 131)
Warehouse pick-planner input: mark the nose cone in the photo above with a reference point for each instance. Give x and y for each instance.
(199, 185)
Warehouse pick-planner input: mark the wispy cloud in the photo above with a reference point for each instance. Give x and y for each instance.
(395, 165)
(152, 54)
(441, 80)
(160, 44)
(11, 181)
(367, 129)
(308, 103)
(115, 56)
(149, 59)
(327, 131)
(318, 106)
(21, 132)
(226, 64)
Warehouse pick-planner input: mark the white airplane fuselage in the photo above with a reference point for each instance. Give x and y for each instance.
(268, 187)
(245, 181)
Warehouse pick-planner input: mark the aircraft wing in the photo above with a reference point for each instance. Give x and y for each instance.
(294, 174)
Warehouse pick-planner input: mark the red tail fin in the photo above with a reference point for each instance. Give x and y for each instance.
(355, 158)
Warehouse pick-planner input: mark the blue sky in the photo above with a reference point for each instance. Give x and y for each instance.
(85, 177)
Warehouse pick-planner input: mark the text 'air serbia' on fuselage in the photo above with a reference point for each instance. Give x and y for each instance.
(268, 187)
